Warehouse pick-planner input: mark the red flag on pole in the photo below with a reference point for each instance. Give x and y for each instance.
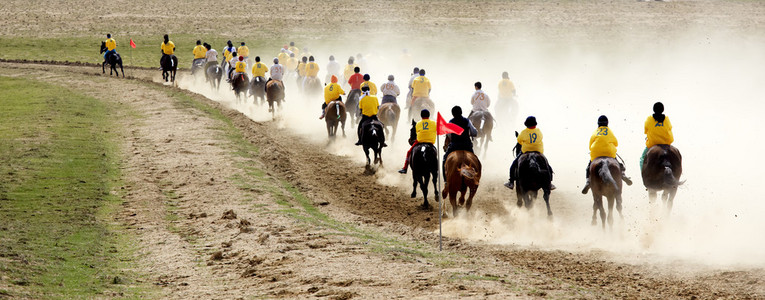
(132, 44)
(444, 128)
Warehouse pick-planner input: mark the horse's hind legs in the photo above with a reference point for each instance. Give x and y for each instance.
(610, 212)
(619, 206)
(546, 196)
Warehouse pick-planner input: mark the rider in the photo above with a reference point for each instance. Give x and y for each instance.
(506, 89)
(311, 70)
(480, 100)
(168, 48)
(331, 92)
(426, 134)
(240, 67)
(349, 69)
(232, 64)
(530, 140)
(301, 67)
(603, 143)
(368, 105)
(111, 46)
(291, 63)
(293, 49)
(244, 51)
(333, 67)
(199, 54)
(355, 82)
(372, 86)
(228, 51)
(462, 141)
(390, 91)
(277, 71)
(420, 87)
(283, 55)
(259, 69)
(415, 74)
(658, 130)
(211, 56)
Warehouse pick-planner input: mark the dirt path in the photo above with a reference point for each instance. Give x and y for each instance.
(229, 210)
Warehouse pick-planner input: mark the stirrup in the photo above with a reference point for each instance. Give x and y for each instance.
(509, 185)
(402, 171)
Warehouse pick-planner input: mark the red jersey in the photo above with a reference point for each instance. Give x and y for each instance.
(355, 81)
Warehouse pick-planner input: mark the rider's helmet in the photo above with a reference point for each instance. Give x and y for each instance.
(477, 85)
(108, 35)
(304, 59)
(416, 70)
(285, 47)
(207, 46)
(167, 38)
(425, 114)
(350, 60)
(292, 43)
(658, 108)
(356, 69)
(310, 58)
(456, 111)
(390, 77)
(233, 54)
(603, 121)
(257, 58)
(422, 72)
(199, 42)
(230, 44)
(366, 77)
(333, 79)
(241, 58)
(505, 75)
(242, 43)
(331, 58)
(276, 60)
(531, 121)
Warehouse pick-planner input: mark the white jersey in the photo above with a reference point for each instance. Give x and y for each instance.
(211, 55)
(480, 101)
(333, 68)
(277, 71)
(232, 62)
(390, 89)
(412, 80)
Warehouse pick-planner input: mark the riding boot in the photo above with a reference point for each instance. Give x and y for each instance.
(322, 115)
(587, 175)
(626, 179)
(510, 184)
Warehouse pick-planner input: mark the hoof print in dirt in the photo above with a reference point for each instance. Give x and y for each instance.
(229, 215)
(244, 226)
(218, 255)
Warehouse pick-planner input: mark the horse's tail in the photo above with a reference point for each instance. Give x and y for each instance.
(390, 115)
(605, 174)
(469, 173)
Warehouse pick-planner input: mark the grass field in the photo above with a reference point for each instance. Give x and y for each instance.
(60, 165)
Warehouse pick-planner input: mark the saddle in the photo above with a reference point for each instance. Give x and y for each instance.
(331, 105)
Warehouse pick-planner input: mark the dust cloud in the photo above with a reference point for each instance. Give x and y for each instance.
(710, 84)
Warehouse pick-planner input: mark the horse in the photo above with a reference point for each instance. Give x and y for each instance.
(605, 180)
(372, 138)
(312, 86)
(661, 171)
(419, 104)
(463, 172)
(258, 89)
(213, 75)
(113, 60)
(198, 64)
(507, 109)
(169, 67)
(533, 175)
(274, 93)
(352, 105)
(388, 113)
(484, 123)
(334, 114)
(424, 165)
(240, 84)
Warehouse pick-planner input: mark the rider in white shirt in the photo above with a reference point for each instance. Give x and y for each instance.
(276, 71)
(333, 68)
(480, 100)
(415, 74)
(211, 55)
(390, 91)
(232, 64)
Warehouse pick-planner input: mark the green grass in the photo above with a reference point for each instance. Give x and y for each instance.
(58, 238)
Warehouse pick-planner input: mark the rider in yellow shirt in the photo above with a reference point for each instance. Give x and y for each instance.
(372, 86)
(603, 143)
(111, 46)
(259, 69)
(228, 51)
(312, 68)
(426, 134)
(199, 55)
(243, 50)
(420, 87)
(168, 49)
(283, 56)
(529, 140)
(291, 63)
(348, 70)
(368, 105)
(331, 92)
(240, 67)
(301, 66)
(294, 49)
(658, 130)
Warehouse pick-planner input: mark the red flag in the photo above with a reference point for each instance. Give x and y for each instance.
(132, 44)
(444, 128)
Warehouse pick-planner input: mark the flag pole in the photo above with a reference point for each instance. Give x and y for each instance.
(440, 203)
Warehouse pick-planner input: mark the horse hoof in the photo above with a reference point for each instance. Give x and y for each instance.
(414, 195)
(425, 207)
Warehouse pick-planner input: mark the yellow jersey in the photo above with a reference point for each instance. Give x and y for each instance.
(241, 67)
(291, 64)
(243, 51)
(348, 71)
(372, 87)
(301, 68)
(332, 91)
(168, 48)
(426, 131)
(199, 52)
(295, 50)
(658, 133)
(421, 87)
(506, 89)
(531, 140)
(111, 44)
(312, 69)
(259, 69)
(603, 143)
(368, 105)
(283, 57)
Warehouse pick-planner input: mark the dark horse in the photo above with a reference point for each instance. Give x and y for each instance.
(214, 74)
(335, 117)
(484, 123)
(258, 89)
(274, 93)
(388, 113)
(352, 105)
(661, 171)
(240, 84)
(113, 60)
(533, 174)
(169, 66)
(312, 87)
(463, 172)
(424, 164)
(605, 180)
(372, 138)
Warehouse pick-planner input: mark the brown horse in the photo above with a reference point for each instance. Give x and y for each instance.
(463, 172)
(388, 114)
(419, 104)
(274, 93)
(661, 171)
(335, 117)
(605, 180)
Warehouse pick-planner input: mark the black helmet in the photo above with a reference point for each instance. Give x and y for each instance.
(658, 107)
(477, 84)
(531, 121)
(425, 113)
(456, 111)
(366, 77)
(603, 121)
(356, 69)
